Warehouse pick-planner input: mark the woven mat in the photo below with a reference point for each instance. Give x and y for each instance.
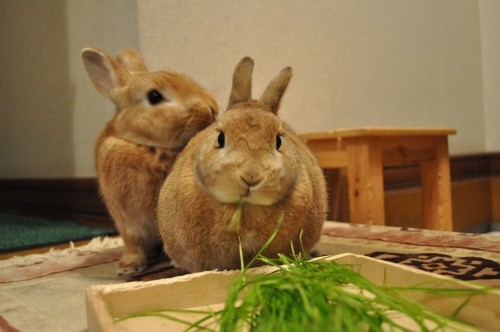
(471, 257)
(464, 256)
(47, 292)
(98, 251)
(22, 232)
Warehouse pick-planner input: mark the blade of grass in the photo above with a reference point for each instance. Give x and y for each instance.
(320, 295)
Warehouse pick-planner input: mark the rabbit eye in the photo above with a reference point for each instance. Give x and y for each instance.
(155, 97)
(221, 140)
(278, 142)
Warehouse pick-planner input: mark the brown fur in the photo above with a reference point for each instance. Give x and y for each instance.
(199, 197)
(137, 148)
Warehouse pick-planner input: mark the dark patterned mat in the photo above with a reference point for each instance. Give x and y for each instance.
(463, 268)
(22, 232)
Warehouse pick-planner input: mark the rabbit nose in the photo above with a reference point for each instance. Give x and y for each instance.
(251, 178)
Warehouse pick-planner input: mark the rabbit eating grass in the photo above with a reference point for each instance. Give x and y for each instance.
(248, 162)
(156, 114)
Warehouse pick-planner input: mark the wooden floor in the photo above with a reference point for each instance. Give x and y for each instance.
(40, 250)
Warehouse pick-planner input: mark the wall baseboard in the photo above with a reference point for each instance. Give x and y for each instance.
(462, 167)
(474, 188)
(76, 199)
(475, 192)
(475, 195)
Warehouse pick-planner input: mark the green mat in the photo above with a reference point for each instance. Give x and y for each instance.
(19, 232)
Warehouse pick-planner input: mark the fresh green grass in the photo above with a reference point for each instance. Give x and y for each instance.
(235, 221)
(316, 295)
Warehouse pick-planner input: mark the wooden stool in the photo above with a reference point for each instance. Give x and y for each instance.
(365, 151)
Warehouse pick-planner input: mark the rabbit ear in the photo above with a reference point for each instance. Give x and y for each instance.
(131, 60)
(104, 71)
(276, 88)
(242, 82)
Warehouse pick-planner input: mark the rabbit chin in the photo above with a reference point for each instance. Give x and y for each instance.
(231, 197)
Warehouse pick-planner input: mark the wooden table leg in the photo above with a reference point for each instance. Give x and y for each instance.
(436, 189)
(365, 181)
(334, 184)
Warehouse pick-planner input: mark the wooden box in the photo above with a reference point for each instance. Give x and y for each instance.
(199, 290)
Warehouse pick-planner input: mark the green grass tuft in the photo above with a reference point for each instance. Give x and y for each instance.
(316, 295)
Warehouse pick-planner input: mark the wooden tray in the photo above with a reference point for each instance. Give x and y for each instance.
(199, 290)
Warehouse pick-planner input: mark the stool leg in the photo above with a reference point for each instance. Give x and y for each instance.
(436, 189)
(365, 181)
(336, 182)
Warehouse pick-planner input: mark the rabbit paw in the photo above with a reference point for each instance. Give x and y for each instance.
(131, 264)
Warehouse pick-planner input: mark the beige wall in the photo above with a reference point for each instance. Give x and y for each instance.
(357, 63)
(490, 41)
(50, 114)
(36, 93)
(109, 25)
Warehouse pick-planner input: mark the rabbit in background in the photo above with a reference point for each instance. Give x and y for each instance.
(156, 115)
(250, 164)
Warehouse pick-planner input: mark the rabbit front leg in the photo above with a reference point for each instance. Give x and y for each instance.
(130, 176)
(133, 259)
(136, 222)
(138, 248)
(138, 237)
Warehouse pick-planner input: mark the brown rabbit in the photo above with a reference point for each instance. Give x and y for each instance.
(248, 154)
(156, 114)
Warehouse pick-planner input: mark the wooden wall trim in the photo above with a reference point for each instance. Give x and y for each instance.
(65, 198)
(495, 164)
(78, 198)
(462, 167)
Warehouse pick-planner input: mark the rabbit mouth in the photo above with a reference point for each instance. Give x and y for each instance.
(249, 194)
(256, 197)
(247, 191)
